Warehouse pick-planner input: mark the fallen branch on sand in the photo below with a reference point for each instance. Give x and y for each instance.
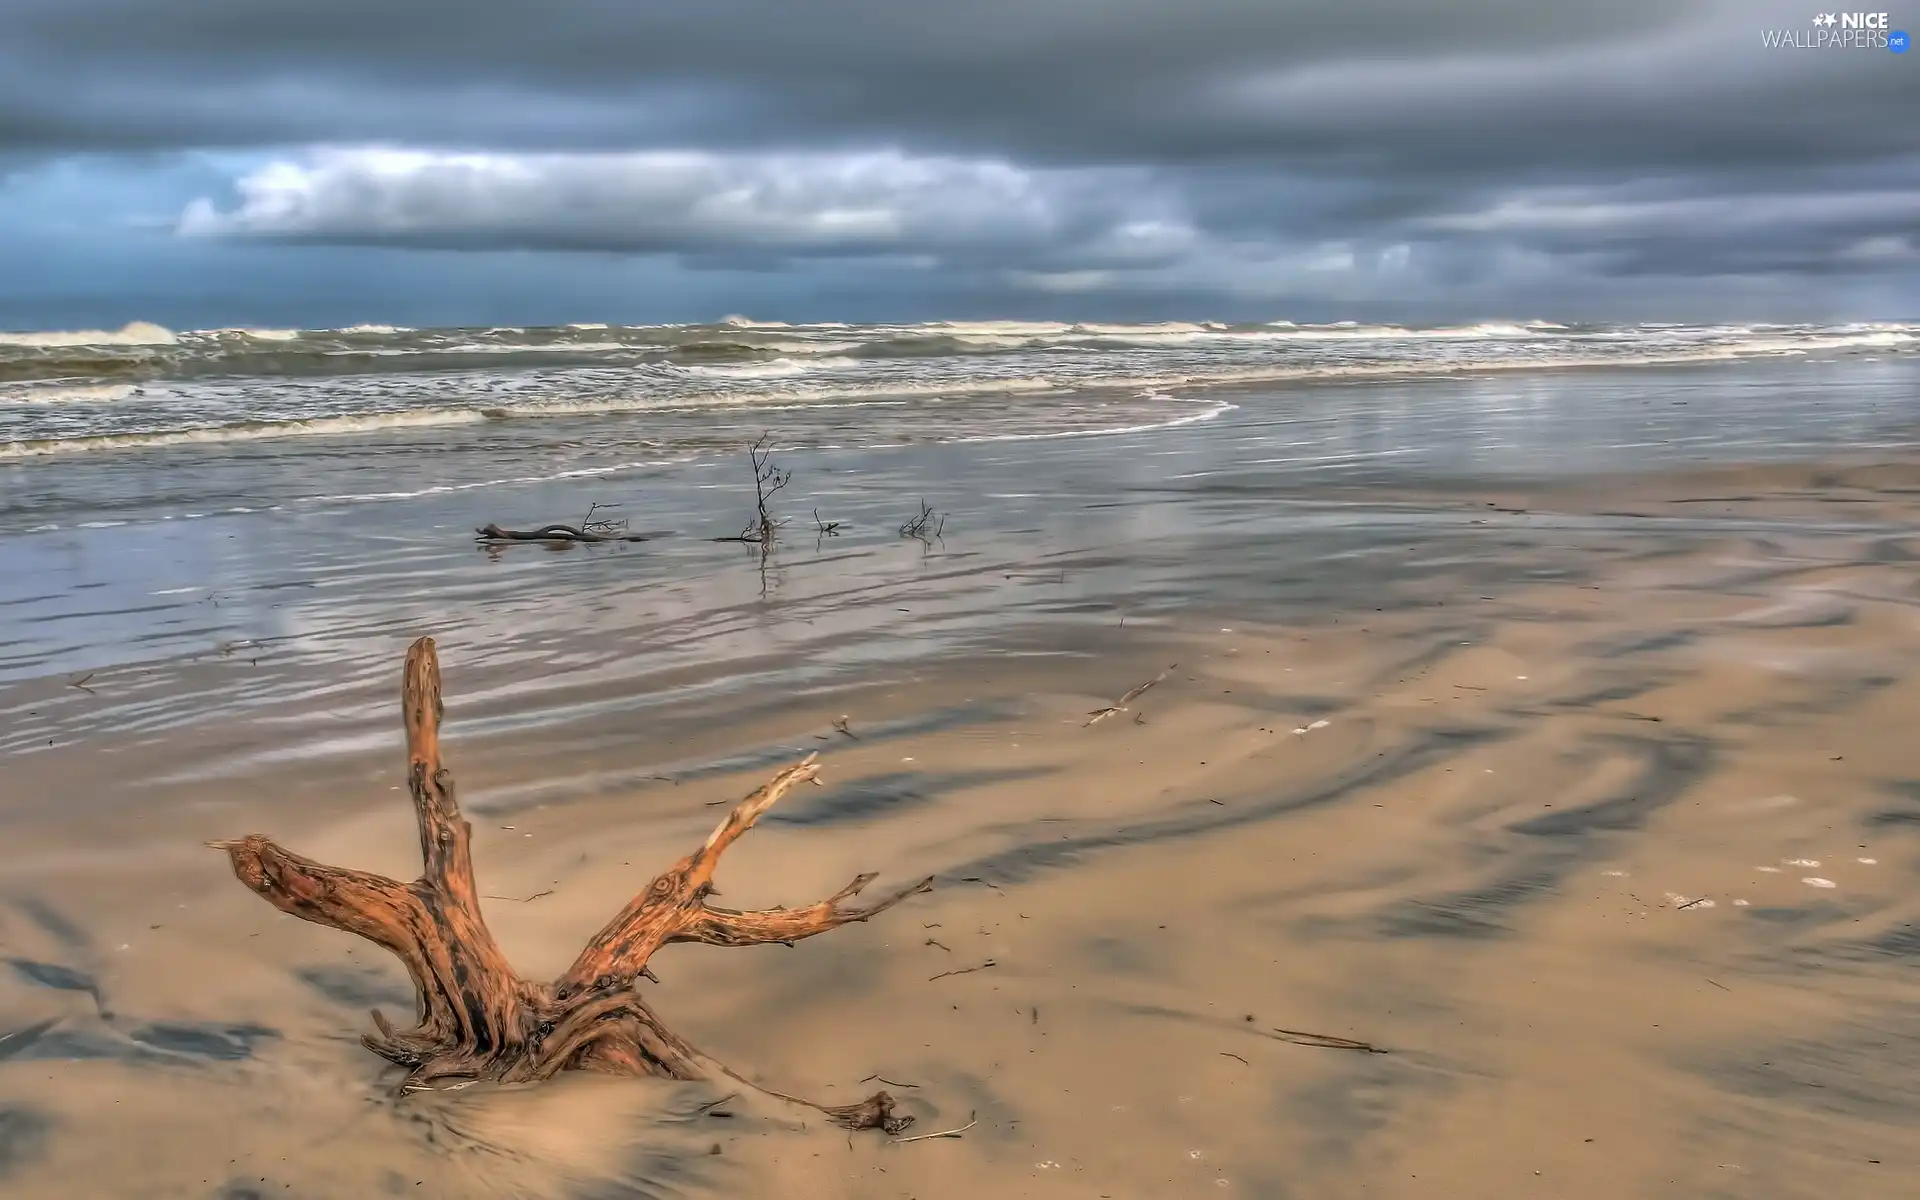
(592, 528)
(1119, 706)
(553, 533)
(478, 1020)
(1324, 1041)
(972, 1120)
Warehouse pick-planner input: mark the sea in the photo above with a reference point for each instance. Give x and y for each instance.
(305, 500)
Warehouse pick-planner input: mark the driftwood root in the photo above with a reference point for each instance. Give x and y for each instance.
(476, 1019)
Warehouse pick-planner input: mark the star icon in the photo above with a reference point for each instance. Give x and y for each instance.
(1825, 19)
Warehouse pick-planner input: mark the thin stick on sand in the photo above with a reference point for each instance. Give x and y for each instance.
(1119, 706)
(944, 1133)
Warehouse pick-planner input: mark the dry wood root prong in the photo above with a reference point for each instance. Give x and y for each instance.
(475, 1018)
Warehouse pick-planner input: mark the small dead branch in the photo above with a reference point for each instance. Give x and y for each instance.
(707, 1109)
(963, 970)
(1234, 1057)
(888, 1082)
(81, 683)
(826, 528)
(840, 726)
(1325, 1041)
(925, 525)
(767, 480)
(494, 535)
(605, 526)
(944, 1133)
(1119, 706)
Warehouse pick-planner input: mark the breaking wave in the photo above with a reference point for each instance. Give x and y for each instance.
(144, 386)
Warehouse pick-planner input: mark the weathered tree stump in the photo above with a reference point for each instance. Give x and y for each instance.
(476, 1019)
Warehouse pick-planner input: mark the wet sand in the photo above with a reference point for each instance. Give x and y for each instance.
(1598, 818)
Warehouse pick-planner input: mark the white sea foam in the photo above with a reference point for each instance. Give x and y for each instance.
(477, 484)
(63, 393)
(261, 335)
(243, 432)
(136, 333)
(778, 368)
(372, 378)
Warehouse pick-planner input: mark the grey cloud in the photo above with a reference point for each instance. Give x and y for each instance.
(1055, 148)
(802, 205)
(1071, 230)
(1373, 82)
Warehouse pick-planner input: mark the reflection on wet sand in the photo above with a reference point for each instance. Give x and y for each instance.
(1599, 821)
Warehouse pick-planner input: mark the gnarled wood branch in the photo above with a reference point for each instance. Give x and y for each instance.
(475, 1017)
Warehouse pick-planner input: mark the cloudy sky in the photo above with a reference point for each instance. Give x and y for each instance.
(267, 162)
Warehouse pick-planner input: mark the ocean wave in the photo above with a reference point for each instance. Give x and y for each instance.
(776, 368)
(240, 431)
(68, 393)
(261, 335)
(135, 333)
(81, 393)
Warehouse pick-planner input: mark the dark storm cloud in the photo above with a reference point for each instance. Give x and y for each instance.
(1378, 81)
(1344, 150)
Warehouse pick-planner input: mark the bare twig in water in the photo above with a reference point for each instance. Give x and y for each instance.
(81, 683)
(1325, 1041)
(767, 480)
(592, 523)
(1119, 706)
(963, 970)
(941, 944)
(925, 525)
(840, 726)
(888, 1082)
(826, 528)
(944, 1133)
(1235, 1057)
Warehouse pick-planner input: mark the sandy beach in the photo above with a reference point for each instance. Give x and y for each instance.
(1588, 805)
(1016, 601)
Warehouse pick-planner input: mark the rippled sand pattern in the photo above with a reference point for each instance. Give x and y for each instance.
(1611, 850)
